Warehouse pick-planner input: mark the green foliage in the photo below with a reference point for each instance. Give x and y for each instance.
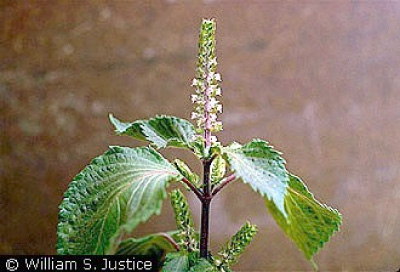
(176, 262)
(218, 170)
(156, 245)
(162, 131)
(199, 149)
(125, 186)
(187, 173)
(231, 252)
(183, 262)
(202, 265)
(262, 167)
(187, 237)
(309, 223)
(114, 193)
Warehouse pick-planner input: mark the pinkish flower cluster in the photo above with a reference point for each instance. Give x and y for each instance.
(206, 83)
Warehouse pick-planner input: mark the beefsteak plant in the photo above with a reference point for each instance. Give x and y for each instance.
(125, 186)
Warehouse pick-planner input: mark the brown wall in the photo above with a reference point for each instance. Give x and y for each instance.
(319, 80)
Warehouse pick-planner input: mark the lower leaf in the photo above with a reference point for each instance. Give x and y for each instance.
(156, 245)
(176, 262)
(202, 265)
(309, 223)
(184, 262)
(112, 195)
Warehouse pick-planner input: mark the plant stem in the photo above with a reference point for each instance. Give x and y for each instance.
(224, 182)
(207, 123)
(205, 210)
(193, 188)
(207, 48)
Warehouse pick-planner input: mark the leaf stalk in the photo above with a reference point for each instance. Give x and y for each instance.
(224, 182)
(193, 188)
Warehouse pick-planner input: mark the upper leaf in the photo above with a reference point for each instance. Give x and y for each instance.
(114, 193)
(218, 170)
(261, 166)
(187, 173)
(156, 245)
(162, 131)
(309, 223)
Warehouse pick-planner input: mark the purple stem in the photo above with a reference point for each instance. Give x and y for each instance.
(206, 199)
(224, 182)
(193, 188)
(205, 211)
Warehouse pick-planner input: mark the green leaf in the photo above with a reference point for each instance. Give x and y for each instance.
(187, 237)
(112, 195)
(187, 173)
(198, 147)
(162, 131)
(183, 262)
(155, 245)
(218, 170)
(129, 129)
(176, 262)
(309, 223)
(202, 265)
(262, 167)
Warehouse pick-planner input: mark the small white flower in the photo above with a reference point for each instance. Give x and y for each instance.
(196, 115)
(195, 98)
(213, 117)
(210, 76)
(195, 82)
(218, 91)
(212, 62)
(213, 102)
(217, 77)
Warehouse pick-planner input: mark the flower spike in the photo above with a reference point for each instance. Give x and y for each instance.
(206, 84)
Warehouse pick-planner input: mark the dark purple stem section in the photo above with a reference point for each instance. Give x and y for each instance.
(205, 197)
(205, 211)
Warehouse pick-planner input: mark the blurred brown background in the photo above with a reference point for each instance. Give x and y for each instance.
(319, 80)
